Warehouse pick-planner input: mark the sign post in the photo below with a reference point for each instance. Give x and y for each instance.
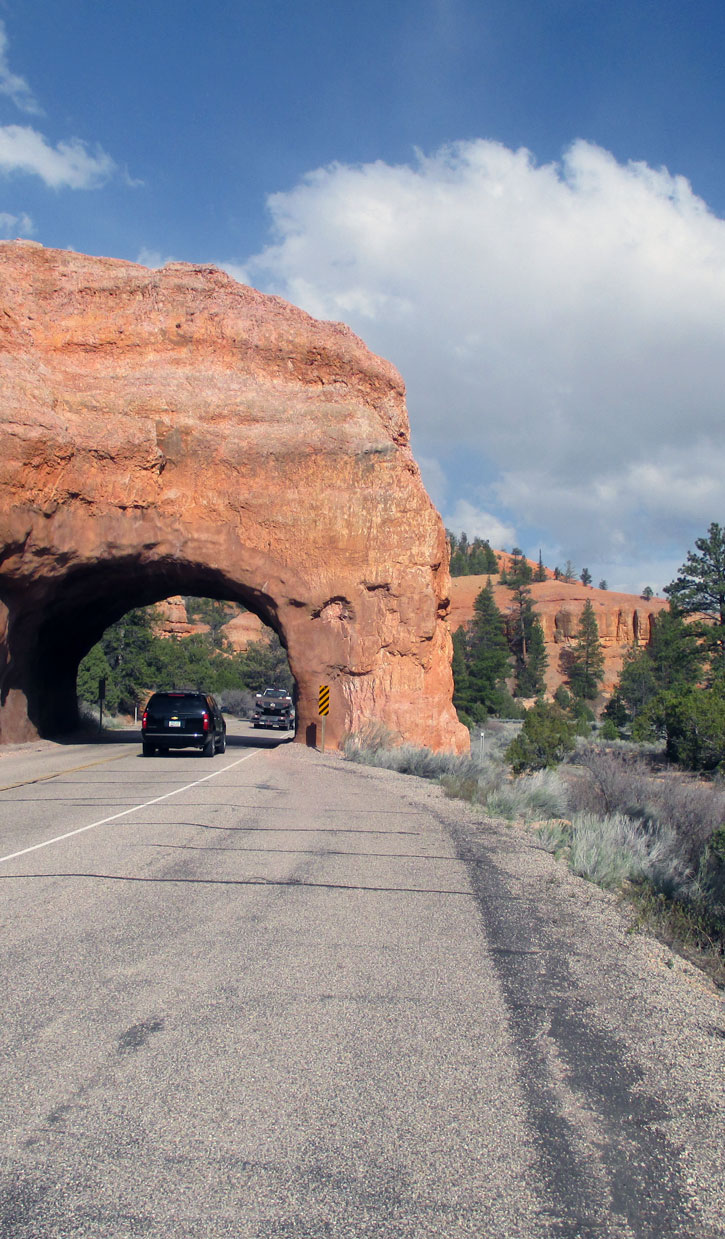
(323, 708)
(101, 699)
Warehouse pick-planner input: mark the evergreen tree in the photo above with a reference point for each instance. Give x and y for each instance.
(482, 559)
(544, 740)
(94, 667)
(585, 576)
(699, 589)
(616, 712)
(265, 663)
(526, 641)
(128, 647)
(532, 682)
(459, 667)
(675, 652)
(540, 570)
(488, 654)
(603, 585)
(637, 682)
(585, 661)
(520, 571)
(569, 572)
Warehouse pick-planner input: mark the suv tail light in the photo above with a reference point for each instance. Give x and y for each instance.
(205, 720)
(144, 716)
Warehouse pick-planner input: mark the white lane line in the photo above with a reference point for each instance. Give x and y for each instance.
(115, 816)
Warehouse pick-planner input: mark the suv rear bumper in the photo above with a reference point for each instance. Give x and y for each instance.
(177, 740)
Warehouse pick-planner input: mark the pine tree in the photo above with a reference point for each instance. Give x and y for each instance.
(585, 576)
(675, 652)
(540, 570)
(526, 641)
(699, 589)
(461, 688)
(637, 682)
(532, 682)
(489, 659)
(585, 661)
(520, 571)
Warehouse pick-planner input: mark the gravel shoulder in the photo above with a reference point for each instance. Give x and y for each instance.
(620, 1042)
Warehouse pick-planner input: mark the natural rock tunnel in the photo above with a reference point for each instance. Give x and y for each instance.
(172, 431)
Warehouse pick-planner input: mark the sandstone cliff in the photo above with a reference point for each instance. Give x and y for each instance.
(622, 618)
(173, 432)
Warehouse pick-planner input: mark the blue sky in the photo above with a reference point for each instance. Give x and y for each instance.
(519, 202)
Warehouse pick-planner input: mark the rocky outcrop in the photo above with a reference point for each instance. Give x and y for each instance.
(622, 618)
(243, 629)
(173, 432)
(172, 620)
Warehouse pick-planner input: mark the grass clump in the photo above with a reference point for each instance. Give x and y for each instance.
(375, 745)
(531, 797)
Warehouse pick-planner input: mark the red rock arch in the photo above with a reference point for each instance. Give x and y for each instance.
(172, 432)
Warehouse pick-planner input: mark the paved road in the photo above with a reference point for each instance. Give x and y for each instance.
(277, 994)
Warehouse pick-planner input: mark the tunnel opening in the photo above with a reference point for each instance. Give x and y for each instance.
(97, 621)
(184, 643)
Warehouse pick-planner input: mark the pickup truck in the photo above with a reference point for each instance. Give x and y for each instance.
(273, 708)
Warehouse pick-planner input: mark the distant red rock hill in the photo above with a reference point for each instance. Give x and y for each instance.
(622, 618)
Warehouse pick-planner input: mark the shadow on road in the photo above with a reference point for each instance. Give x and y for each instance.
(132, 736)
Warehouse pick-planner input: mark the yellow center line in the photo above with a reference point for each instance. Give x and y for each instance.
(44, 778)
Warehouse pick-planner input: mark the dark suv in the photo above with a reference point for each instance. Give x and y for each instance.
(183, 721)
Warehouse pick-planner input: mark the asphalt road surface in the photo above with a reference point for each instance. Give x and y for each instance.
(277, 994)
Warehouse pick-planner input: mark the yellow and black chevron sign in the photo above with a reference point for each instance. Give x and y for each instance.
(324, 701)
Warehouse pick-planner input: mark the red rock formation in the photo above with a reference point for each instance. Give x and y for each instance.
(238, 632)
(173, 621)
(173, 432)
(243, 630)
(622, 618)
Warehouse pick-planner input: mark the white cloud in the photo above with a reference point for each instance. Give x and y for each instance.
(151, 258)
(434, 479)
(477, 523)
(12, 85)
(69, 164)
(563, 324)
(15, 225)
(236, 270)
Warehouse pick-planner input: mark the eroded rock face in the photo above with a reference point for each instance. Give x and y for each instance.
(173, 432)
(623, 619)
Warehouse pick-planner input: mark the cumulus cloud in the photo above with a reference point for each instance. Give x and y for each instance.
(69, 164)
(15, 87)
(480, 524)
(563, 324)
(15, 225)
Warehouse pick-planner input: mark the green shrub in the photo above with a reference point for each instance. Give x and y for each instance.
(545, 739)
(695, 728)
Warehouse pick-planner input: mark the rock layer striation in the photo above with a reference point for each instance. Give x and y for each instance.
(173, 432)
